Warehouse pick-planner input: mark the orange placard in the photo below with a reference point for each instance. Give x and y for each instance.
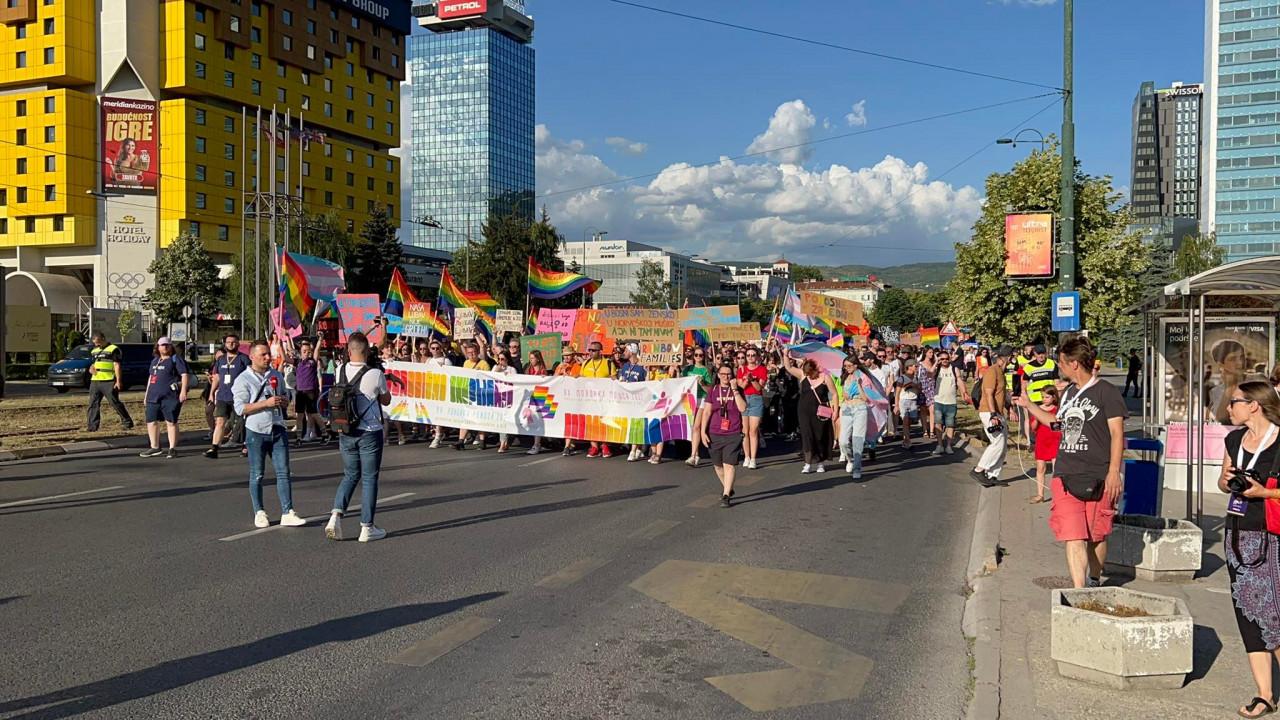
(1028, 244)
(587, 329)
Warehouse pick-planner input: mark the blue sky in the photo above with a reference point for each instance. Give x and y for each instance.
(624, 91)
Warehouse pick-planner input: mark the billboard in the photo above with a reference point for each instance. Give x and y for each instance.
(449, 9)
(1028, 245)
(394, 14)
(1236, 350)
(130, 146)
(131, 246)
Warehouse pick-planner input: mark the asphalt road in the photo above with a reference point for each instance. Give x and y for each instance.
(509, 587)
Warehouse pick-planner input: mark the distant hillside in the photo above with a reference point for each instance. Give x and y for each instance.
(916, 276)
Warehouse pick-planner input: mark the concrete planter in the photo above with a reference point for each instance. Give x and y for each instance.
(1139, 653)
(1154, 549)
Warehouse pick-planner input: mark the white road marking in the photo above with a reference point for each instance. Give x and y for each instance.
(57, 497)
(297, 458)
(537, 462)
(313, 519)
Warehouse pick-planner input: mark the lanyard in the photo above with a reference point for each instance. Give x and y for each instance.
(1266, 442)
(1075, 398)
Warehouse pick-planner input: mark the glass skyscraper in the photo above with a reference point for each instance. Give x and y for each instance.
(473, 123)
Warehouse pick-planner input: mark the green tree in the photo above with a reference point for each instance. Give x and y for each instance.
(652, 288)
(127, 323)
(895, 308)
(805, 273)
(1109, 261)
(182, 272)
(324, 235)
(499, 265)
(1198, 253)
(375, 256)
(930, 307)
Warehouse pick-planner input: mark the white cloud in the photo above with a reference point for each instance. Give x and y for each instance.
(858, 116)
(790, 125)
(629, 147)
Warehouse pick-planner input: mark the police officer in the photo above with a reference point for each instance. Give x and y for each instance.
(1038, 373)
(229, 366)
(105, 382)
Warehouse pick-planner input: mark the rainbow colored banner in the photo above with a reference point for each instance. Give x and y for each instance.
(930, 336)
(578, 408)
(547, 284)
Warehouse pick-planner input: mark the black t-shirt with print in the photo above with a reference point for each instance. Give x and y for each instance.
(1085, 451)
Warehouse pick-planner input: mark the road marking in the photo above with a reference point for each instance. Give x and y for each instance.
(297, 458)
(820, 671)
(571, 573)
(442, 643)
(537, 462)
(59, 497)
(313, 519)
(653, 529)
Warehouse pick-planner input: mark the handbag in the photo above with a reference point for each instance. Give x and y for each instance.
(1272, 507)
(824, 410)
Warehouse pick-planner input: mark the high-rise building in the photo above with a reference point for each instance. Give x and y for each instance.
(1242, 127)
(1166, 179)
(473, 123)
(121, 126)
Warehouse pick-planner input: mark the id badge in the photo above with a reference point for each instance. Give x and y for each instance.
(724, 424)
(1237, 505)
(226, 378)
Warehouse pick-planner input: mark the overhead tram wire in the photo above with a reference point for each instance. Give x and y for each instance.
(836, 46)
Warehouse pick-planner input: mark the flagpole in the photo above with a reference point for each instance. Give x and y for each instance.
(528, 286)
(257, 224)
(244, 160)
(275, 208)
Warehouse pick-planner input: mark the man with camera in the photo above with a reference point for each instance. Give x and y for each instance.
(992, 408)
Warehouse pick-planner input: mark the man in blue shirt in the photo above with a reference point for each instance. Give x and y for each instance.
(259, 395)
(229, 366)
(632, 371)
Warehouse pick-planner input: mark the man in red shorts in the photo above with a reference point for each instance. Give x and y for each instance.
(1087, 483)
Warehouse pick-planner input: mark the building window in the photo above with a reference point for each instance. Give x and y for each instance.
(351, 156)
(50, 135)
(50, 193)
(229, 151)
(229, 124)
(48, 104)
(255, 87)
(200, 144)
(200, 70)
(21, 168)
(50, 163)
(368, 122)
(351, 117)
(193, 229)
(30, 225)
(391, 128)
(200, 17)
(328, 174)
(311, 52)
(20, 32)
(286, 42)
(328, 198)
(286, 16)
(228, 205)
(57, 223)
(4, 197)
(200, 201)
(306, 103)
(235, 24)
(255, 35)
(21, 108)
(4, 226)
(351, 203)
(200, 173)
(351, 179)
(306, 169)
(21, 195)
(229, 78)
(255, 61)
(351, 93)
(228, 51)
(223, 233)
(48, 26)
(328, 109)
(199, 112)
(280, 94)
(48, 56)
(228, 178)
(199, 41)
(21, 60)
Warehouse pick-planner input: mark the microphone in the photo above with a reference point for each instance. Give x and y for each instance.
(275, 384)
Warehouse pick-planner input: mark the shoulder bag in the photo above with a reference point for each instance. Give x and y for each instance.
(824, 410)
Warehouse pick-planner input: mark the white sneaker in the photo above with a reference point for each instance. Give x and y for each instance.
(369, 533)
(292, 519)
(333, 530)
(848, 466)
(533, 450)
(753, 464)
(435, 443)
(260, 519)
(857, 475)
(806, 469)
(821, 468)
(843, 457)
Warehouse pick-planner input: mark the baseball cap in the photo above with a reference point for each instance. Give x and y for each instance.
(164, 341)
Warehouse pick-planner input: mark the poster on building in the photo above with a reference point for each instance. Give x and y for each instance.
(657, 332)
(1236, 350)
(699, 318)
(27, 329)
(1028, 245)
(132, 245)
(130, 146)
(816, 304)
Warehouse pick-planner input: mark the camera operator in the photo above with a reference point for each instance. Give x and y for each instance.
(1252, 456)
(991, 409)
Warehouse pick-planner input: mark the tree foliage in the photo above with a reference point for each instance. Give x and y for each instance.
(499, 264)
(652, 288)
(1198, 253)
(1109, 261)
(806, 273)
(894, 308)
(375, 256)
(182, 272)
(127, 323)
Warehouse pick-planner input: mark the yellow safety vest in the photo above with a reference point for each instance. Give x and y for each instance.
(1039, 377)
(104, 367)
(1009, 370)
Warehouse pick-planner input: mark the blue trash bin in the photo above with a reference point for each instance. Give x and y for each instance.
(1142, 478)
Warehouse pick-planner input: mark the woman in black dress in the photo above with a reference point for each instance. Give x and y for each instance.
(1253, 553)
(814, 410)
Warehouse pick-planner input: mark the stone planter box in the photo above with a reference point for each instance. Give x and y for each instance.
(1155, 549)
(1139, 653)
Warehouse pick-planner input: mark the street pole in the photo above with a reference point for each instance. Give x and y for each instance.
(1067, 235)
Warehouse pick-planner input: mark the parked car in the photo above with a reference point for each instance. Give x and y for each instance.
(74, 371)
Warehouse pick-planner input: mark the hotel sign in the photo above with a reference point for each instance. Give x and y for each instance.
(450, 9)
(392, 14)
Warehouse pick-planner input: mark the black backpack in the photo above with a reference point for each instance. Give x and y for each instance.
(344, 416)
(975, 394)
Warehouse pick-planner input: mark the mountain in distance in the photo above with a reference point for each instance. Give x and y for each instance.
(930, 277)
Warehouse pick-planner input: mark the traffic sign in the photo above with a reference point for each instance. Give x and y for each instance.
(1065, 312)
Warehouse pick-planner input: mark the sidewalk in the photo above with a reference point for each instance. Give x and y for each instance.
(1029, 685)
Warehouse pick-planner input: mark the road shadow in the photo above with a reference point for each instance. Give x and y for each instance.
(1206, 646)
(495, 492)
(82, 502)
(11, 598)
(195, 668)
(534, 510)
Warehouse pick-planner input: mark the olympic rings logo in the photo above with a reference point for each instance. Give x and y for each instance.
(128, 281)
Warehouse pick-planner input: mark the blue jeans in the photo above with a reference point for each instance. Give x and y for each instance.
(361, 459)
(853, 433)
(276, 445)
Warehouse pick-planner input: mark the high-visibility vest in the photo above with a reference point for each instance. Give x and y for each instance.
(1039, 377)
(104, 368)
(1009, 370)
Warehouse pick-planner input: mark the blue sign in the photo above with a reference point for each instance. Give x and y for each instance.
(1065, 312)
(394, 14)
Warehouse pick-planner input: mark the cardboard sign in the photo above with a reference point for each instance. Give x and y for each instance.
(816, 304)
(656, 331)
(557, 321)
(547, 343)
(912, 339)
(588, 328)
(509, 321)
(417, 320)
(464, 323)
(705, 317)
(358, 313)
(736, 332)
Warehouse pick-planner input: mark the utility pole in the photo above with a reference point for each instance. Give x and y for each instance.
(1067, 233)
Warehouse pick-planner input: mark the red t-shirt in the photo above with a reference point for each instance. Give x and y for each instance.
(760, 374)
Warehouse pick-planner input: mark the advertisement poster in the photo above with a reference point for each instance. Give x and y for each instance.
(1028, 244)
(1236, 350)
(131, 246)
(130, 146)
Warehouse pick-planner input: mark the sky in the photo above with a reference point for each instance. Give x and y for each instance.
(691, 111)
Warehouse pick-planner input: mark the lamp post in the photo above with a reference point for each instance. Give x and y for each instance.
(1067, 238)
(106, 245)
(1017, 138)
(428, 221)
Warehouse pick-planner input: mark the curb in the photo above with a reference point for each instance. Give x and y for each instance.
(85, 446)
(981, 623)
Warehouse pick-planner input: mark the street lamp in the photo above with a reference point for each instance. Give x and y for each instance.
(106, 245)
(428, 221)
(1014, 140)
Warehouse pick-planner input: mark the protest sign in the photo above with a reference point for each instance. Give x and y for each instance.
(587, 329)
(417, 320)
(359, 313)
(704, 317)
(815, 304)
(464, 323)
(328, 329)
(736, 332)
(509, 321)
(657, 332)
(279, 324)
(912, 339)
(558, 321)
(546, 343)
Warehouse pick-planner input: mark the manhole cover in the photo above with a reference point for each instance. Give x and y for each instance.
(1053, 582)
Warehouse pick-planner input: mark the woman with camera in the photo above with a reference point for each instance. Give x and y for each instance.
(1252, 550)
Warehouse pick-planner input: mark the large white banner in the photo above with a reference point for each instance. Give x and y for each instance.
(577, 408)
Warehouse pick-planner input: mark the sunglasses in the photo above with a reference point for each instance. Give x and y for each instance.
(1239, 400)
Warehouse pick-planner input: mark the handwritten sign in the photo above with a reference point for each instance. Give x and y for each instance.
(737, 332)
(358, 313)
(588, 328)
(657, 332)
(889, 335)
(417, 319)
(912, 339)
(841, 310)
(546, 343)
(27, 329)
(464, 323)
(704, 317)
(509, 321)
(557, 321)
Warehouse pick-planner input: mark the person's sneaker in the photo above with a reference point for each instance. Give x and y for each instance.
(260, 519)
(460, 445)
(848, 467)
(151, 452)
(724, 501)
(171, 453)
(605, 452)
(333, 530)
(533, 450)
(292, 519)
(1093, 582)
(752, 465)
(593, 452)
(806, 469)
(369, 533)
(937, 450)
(843, 457)
(568, 451)
(978, 473)
(693, 461)
(212, 452)
(435, 443)
(400, 441)
(654, 459)
(949, 450)
(857, 475)
(821, 468)
(633, 456)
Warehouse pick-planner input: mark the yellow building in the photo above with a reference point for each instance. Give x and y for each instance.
(121, 125)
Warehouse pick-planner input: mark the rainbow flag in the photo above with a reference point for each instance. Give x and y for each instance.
(697, 338)
(531, 322)
(836, 341)
(780, 328)
(454, 296)
(295, 299)
(547, 284)
(398, 293)
(930, 336)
